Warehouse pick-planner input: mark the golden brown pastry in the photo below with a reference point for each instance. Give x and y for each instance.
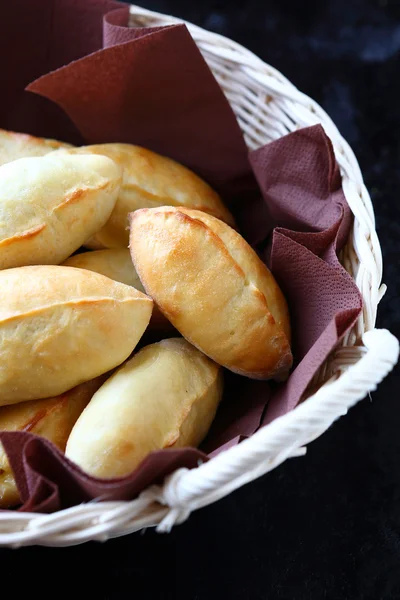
(150, 180)
(50, 205)
(20, 145)
(61, 326)
(166, 396)
(214, 289)
(51, 418)
(116, 263)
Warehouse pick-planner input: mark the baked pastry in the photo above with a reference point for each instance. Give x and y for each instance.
(61, 326)
(166, 396)
(51, 418)
(214, 289)
(20, 145)
(50, 205)
(116, 263)
(150, 180)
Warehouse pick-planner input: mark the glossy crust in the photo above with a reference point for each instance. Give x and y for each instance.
(150, 180)
(214, 289)
(50, 205)
(51, 418)
(166, 396)
(20, 145)
(116, 263)
(61, 326)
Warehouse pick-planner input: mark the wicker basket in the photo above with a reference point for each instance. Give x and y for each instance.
(267, 106)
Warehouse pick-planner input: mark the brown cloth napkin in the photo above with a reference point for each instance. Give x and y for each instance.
(96, 80)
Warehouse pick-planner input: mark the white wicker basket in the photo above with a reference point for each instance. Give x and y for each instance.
(267, 106)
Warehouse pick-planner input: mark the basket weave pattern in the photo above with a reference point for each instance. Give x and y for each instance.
(267, 107)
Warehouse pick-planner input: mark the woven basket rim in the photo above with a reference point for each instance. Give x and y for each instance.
(356, 367)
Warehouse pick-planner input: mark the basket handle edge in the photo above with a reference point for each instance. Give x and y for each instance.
(187, 490)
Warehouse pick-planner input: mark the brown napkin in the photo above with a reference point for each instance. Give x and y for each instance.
(300, 182)
(37, 37)
(158, 91)
(152, 87)
(47, 480)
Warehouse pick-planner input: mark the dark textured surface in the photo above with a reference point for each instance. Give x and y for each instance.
(328, 525)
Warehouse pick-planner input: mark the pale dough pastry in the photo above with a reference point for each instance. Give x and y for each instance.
(50, 205)
(116, 263)
(166, 396)
(20, 145)
(51, 418)
(150, 180)
(61, 326)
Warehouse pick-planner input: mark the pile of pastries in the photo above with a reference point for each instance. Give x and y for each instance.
(100, 245)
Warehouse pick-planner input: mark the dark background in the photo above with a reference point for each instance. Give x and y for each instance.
(327, 525)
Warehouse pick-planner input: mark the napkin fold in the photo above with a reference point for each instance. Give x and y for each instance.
(300, 182)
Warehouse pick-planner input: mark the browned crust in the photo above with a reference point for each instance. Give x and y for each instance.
(44, 412)
(186, 218)
(220, 211)
(76, 195)
(25, 235)
(219, 242)
(73, 303)
(125, 154)
(37, 417)
(222, 247)
(280, 346)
